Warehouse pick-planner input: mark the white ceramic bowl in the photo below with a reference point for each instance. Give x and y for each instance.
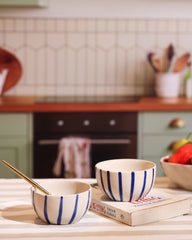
(125, 179)
(181, 174)
(67, 204)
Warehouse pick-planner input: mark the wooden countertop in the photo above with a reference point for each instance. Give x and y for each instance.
(28, 104)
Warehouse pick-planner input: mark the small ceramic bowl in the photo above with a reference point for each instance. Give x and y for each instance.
(125, 179)
(67, 204)
(181, 174)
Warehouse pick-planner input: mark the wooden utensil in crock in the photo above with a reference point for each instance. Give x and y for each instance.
(181, 62)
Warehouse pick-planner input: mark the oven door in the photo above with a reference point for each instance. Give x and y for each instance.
(102, 148)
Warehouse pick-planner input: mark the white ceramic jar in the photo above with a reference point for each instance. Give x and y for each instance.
(167, 85)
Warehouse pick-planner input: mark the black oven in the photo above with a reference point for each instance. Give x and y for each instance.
(112, 135)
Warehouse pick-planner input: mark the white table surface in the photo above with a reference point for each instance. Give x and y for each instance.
(19, 221)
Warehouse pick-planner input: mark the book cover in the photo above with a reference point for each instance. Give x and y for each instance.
(154, 207)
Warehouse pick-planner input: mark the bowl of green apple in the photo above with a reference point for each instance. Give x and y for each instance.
(178, 166)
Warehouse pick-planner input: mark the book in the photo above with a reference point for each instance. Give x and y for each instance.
(156, 206)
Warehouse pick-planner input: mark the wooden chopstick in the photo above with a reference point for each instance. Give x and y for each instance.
(22, 175)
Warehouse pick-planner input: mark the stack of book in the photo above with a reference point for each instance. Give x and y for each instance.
(154, 207)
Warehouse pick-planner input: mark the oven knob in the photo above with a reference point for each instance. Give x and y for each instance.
(112, 122)
(86, 122)
(60, 123)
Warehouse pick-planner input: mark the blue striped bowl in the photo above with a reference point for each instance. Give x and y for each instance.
(68, 203)
(125, 179)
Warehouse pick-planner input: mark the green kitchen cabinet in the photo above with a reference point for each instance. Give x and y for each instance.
(24, 3)
(156, 134)
(16, 143)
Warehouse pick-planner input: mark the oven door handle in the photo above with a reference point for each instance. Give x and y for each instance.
(93, 141)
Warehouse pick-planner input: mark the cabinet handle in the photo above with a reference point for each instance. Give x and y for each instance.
(112, 122)
(177, 123)
(170, 147)
(86, 122)
(60, 123)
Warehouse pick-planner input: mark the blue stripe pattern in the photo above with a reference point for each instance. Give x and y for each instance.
(120, 186)
(120, 180)
(144, 184)
(109, 185)
(45, 210)
(132, 185)
(152, 180)
(101, 177)
(60, 211)
(75, 209)
(89, 193)
(34, 202)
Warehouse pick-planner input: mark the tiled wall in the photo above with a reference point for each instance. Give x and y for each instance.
(89, 56)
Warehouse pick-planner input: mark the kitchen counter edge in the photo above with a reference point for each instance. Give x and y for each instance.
(29, 104)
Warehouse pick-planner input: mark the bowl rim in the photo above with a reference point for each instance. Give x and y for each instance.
(153, 165)
(36, 191)
(175, 164)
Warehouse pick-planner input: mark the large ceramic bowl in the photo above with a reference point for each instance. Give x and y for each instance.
(67, 204)
(181, 174)
(125, 179)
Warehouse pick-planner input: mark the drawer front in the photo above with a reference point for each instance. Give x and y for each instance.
(85, 122)
(158, 145)
(158, 122)
(13, 124)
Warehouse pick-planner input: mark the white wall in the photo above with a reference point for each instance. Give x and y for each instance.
(107, 9)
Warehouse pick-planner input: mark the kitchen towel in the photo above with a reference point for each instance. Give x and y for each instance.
(75, 154)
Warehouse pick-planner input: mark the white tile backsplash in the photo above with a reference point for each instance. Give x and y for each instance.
(9, 25)
(63, 56)
(19, 25)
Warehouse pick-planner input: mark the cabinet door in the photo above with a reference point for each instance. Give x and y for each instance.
(16, 143)
(155, 134)
(13, 151)
(158, 145)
